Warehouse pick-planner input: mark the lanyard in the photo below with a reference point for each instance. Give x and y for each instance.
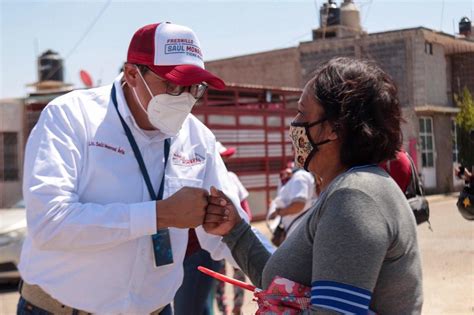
(161, 240)
(138, 155)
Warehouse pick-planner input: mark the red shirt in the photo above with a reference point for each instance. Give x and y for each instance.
(399, 169)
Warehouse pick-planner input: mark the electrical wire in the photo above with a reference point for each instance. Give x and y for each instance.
(106, 5)
(442, 16)
(367, 13)
(81, 39)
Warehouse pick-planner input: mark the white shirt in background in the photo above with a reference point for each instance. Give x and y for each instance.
(301, 188)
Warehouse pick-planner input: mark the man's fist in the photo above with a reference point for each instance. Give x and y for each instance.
(184, 209)
(221, 214)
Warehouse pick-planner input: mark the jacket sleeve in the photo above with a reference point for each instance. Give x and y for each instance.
(217, 176)
(57, 220)
(250, 253)
(350, 243)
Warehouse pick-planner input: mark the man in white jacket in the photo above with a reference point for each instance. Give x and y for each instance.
(114, 177)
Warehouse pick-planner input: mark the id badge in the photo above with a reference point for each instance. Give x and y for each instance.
(162, 248)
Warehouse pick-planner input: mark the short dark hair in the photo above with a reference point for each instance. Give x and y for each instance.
(360, 101)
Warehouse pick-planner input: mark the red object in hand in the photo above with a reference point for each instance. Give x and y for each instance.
(224, 278)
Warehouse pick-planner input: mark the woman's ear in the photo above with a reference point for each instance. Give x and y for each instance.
(333, 132)
(130, 73)
(333, 135)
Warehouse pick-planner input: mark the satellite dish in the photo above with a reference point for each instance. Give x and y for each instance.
(86, 78)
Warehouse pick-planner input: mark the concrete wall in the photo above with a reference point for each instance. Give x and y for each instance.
(463, 72)
(391, 56)
(435, 77)
(313, 55)
(444, 153)
(409, 127)
(11, 120)
(389, 51)
(418, 70)
(279, 68)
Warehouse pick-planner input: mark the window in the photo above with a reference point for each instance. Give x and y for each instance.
(426, 141)
(9, 158)
(428, 48)
(454, 132)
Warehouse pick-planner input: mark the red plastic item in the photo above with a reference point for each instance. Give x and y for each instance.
(224, 278)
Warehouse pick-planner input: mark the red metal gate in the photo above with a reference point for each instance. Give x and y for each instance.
(255, 120)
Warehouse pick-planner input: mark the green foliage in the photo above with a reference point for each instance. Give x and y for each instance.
(465, 123)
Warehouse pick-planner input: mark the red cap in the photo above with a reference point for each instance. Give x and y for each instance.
(173, 52)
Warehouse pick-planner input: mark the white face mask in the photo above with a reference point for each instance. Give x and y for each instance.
(166, 112)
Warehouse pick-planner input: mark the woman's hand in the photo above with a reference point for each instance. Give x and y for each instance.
(220, 207)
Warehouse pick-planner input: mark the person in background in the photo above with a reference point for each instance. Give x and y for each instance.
(463, 173)
(195, 296)
(113, 178)
(360, 238)
(285, 176)
(293, 199)
(399, 169)
(226, 154)
(465, 201)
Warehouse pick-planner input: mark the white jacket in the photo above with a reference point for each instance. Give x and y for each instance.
(89, 212)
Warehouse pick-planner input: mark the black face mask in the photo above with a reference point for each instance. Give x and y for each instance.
(305, 147)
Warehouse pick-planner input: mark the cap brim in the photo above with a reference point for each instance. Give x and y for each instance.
(228, 152)
(188, 75)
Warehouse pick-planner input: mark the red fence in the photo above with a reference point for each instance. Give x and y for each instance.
(255, 121)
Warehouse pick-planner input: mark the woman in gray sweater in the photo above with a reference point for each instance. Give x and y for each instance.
(357, 247)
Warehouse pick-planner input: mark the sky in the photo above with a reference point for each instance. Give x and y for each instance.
(94, 35)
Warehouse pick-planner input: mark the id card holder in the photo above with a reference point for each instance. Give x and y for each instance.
(163, 253)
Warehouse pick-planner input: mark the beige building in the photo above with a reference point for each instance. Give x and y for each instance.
(17, 118)
(12, 141)
(429, 67)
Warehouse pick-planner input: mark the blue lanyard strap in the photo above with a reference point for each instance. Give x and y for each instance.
(163, 253)
(138, 155)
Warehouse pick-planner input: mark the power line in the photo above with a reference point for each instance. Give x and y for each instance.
(84, 35)
(442, 16)
(106, 5)
(367, 13)
(317, 8)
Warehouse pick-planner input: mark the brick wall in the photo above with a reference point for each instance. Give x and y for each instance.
(313, 57)
(279, 68)
(463, 72)
(444, 150)
(435, 76)
(388, 52)
(391, 56)
(11, 113)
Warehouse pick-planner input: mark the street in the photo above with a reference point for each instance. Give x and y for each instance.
(448, 264)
